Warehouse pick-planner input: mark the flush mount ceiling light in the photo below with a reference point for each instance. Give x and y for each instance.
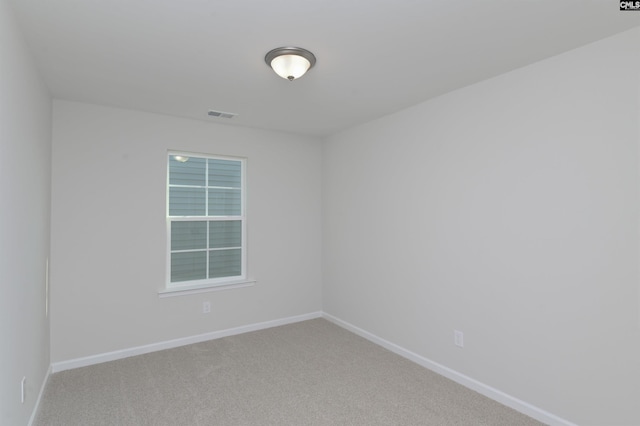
(290, 62)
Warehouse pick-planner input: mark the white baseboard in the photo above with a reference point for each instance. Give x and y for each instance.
(169, 344)
(486, 390)
(36, 407)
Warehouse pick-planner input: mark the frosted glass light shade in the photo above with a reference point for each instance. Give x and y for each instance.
(290, 62)
(290, 66)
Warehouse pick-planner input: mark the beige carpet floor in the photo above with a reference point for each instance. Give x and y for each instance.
(308, 373)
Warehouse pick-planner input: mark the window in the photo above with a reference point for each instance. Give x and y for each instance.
(206, 226)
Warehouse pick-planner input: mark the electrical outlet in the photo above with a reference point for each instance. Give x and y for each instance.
(458, 338)
(206, 307)
(23, 389)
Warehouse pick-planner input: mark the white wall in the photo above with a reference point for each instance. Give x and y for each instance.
(507, 210)
(25, 170)
(108, 229)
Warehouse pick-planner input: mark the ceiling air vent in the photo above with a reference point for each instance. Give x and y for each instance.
(221, 114)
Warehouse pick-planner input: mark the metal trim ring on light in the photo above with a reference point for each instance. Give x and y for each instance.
(296, 51)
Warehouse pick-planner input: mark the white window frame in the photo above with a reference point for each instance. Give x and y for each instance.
(195, 286)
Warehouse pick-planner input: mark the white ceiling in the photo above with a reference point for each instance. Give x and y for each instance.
(375, 57)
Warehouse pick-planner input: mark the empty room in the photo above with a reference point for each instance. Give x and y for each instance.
(320, 212)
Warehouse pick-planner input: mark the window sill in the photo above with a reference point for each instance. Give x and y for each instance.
(183, 291)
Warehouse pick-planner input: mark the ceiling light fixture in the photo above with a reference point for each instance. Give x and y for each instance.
(290, 62)
(181, 158)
